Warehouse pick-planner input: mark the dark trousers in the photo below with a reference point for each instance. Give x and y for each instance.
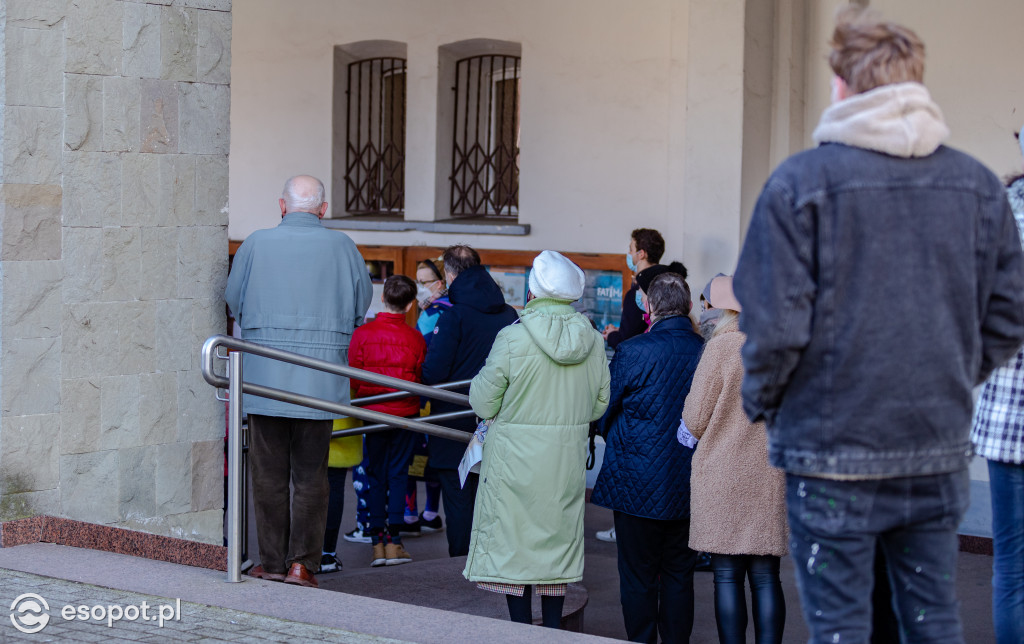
(835, 528)
(769, 604)
(335, 507)
(655, 578)
(387, 456)
(458, 509)
(289, 488)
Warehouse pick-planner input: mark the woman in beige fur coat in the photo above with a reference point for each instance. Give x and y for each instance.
(737, 506)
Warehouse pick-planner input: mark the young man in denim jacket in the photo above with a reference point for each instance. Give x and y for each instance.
(871, 421)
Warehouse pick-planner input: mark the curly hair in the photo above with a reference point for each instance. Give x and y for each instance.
(650, 240)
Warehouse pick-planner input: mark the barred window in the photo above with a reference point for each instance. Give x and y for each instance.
(485, 148)
(375, 136)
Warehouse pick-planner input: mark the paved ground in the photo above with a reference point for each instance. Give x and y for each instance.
(255, 610)
(603, 614)
(163, 620)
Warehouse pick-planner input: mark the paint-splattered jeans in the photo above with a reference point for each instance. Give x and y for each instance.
(835, 527)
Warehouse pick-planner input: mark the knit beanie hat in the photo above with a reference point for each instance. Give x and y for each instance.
(646, 276)
(555, 276)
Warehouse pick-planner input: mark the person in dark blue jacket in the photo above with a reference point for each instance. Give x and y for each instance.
(645, 477)
(462, 340)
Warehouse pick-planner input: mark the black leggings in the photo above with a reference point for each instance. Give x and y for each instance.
(730, 598)
(520, 609)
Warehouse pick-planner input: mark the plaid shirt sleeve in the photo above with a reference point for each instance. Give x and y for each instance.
(998, 428)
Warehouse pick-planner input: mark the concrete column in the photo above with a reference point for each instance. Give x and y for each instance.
(113, 259)
(712, 145)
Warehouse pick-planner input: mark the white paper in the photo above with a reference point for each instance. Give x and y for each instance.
(471, 459)
(684, 436)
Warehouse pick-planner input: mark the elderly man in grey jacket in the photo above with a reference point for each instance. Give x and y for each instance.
(301, 288)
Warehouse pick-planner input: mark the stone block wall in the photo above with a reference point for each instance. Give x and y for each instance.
(113, 257)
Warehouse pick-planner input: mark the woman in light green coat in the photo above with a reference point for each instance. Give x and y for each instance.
(545, 380)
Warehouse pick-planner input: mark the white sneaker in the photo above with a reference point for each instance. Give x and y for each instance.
(357, 536)
(606, 535)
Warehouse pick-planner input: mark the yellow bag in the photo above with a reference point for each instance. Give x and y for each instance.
(346, 451)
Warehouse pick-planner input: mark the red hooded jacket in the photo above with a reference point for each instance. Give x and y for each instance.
(388, 346)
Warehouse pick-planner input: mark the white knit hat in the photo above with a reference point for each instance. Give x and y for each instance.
(555, 276)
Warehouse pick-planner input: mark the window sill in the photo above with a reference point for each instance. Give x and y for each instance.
(467, 226)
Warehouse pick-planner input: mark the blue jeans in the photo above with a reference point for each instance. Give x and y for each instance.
(1006, 482)
(835, 527)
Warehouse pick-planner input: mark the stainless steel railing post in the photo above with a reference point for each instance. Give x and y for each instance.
(235, 498)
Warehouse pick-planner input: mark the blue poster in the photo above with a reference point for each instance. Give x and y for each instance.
(607, 307)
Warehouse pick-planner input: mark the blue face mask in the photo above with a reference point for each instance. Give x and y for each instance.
(630, 263)
(640, 301)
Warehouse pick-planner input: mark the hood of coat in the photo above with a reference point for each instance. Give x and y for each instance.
(900, 119)
(564, 335)
(475, 288)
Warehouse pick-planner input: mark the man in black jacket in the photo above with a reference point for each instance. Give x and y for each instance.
(462, 339)
(646, 246)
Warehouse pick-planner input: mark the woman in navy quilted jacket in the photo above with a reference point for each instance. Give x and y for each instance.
(645, 477)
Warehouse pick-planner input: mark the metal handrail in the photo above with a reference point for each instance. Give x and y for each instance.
(399, 395)
(215, 341)
(236, 386)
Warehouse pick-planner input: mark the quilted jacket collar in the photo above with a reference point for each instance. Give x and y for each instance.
(674, 323)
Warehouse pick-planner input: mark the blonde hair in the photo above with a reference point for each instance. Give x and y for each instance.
(868, 52)
(727, 316)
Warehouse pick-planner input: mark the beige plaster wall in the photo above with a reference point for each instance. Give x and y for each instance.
(974, 53)
(610, 93)
(648, 113)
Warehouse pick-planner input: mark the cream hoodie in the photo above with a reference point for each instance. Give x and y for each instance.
(899, 119)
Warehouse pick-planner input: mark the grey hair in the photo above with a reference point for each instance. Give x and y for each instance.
(459, 257)
(669, 295)
(296, 202)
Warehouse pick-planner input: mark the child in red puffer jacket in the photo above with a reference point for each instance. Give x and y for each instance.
(389, 346)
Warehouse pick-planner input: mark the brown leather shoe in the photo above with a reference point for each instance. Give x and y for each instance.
(298, 574)
(260, 573)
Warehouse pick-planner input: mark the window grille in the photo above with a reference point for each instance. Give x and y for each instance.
(485, 148)
(375, 135)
